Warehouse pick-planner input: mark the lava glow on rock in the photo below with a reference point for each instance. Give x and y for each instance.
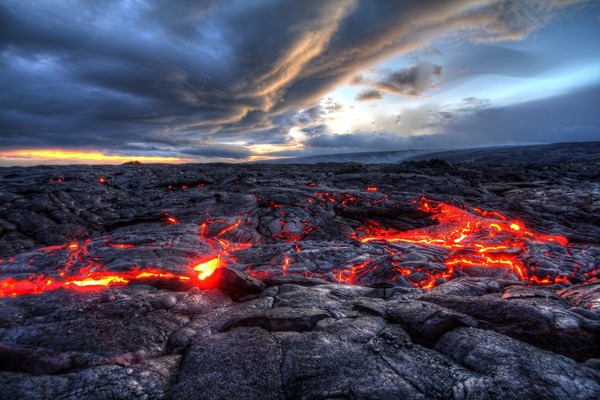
(206, 269)
(484, 239)
(477, 238)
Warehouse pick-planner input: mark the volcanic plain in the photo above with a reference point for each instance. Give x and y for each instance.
(470, 279)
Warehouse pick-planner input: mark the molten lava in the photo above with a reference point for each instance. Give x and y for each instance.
(84, 279)
(466, 239)
(206, 269)
(484, 239)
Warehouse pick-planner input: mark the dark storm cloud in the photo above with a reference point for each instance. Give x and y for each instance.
(185, 149)
(369, 94)
(411, 81)
(218, 150)
(310, 115)
(107, 74)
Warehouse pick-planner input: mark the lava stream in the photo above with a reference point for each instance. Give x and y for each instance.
(484, 239)
(84, 279)
(479, 239)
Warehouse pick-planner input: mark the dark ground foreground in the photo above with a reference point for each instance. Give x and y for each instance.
(467, 306)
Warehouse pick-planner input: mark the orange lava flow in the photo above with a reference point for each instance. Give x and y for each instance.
(93, 276)
(464, 239)
(84, 279)
(122, 245)
(485, 239)
(206, 269)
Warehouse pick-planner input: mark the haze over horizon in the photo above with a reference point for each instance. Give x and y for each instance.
(214, 81)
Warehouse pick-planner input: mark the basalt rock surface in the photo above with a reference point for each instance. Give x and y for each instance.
(332, 281)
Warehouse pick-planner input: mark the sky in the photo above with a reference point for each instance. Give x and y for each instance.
(87, 81)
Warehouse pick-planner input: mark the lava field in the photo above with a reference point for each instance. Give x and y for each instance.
(419, 280)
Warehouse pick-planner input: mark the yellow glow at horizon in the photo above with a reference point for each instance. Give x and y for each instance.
(57, 154)
(263, 149)
(263, 158)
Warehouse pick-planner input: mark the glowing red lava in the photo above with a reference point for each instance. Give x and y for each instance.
(485, 239)
(169, 219)
(84, 279)
(206, 268)
(93, 276)
(480, 239)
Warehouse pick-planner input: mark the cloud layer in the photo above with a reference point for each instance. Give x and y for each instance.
(473, 122)
(208, 78)
(410, 81)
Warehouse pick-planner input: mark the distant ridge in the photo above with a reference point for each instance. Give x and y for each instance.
(531, 154)
(376, 157)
